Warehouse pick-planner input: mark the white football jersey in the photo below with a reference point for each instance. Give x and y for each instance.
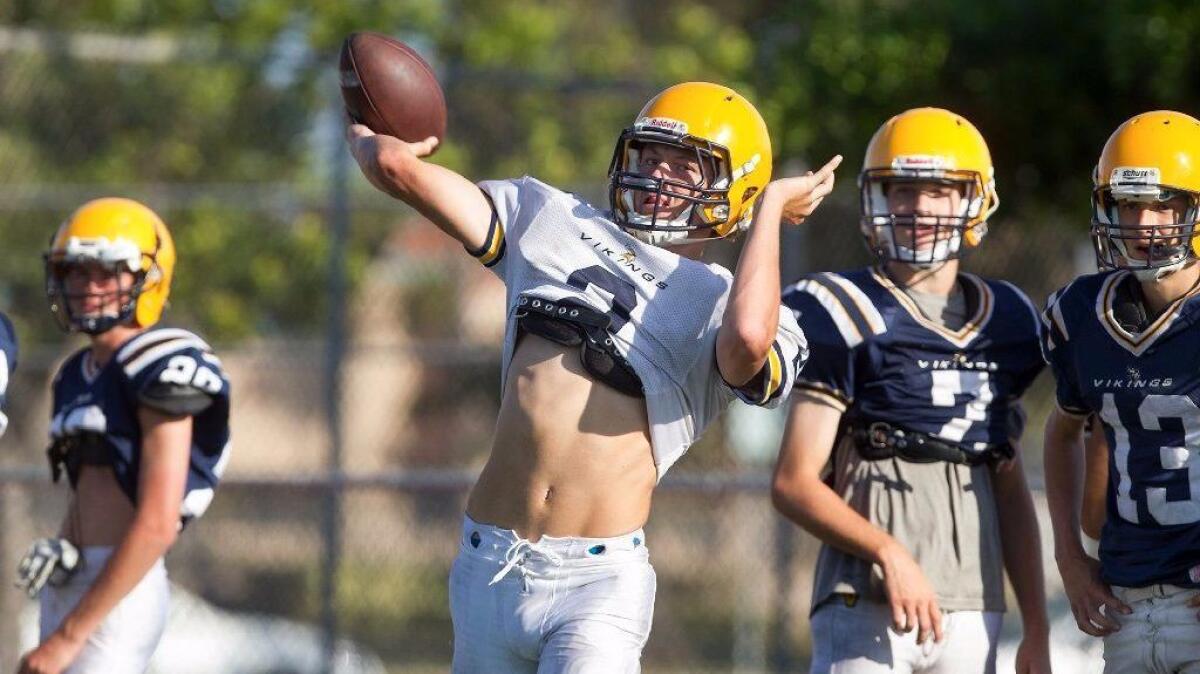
(665, 309)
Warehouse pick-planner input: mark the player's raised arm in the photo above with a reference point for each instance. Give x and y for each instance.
(752, 314)
(397, 168)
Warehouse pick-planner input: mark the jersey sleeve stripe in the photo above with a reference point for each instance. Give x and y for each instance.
(860, 301)
(1071, 412)
(493, 246)
(1054, 312)
(837, 312)
(133, 367)
(775, 373)
(833, 396)
(847, 302)
(135, 346)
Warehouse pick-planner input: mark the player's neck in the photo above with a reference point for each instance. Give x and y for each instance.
(1160, 294)
(105, 344)
(691, 251)
(937, 281)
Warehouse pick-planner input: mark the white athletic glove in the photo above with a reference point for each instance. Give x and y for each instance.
(49, 560)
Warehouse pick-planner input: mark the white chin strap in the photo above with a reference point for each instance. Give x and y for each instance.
(1159, 273)
(658, 237)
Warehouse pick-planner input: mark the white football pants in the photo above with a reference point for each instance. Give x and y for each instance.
(558, 606)
(859, 639)
(129, 634)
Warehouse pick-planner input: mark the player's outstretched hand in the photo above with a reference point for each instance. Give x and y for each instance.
(800, 196)
(376, 154)
(912, 599)
(1092, 601)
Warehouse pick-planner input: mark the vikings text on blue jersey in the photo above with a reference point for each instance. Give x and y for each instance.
(1145, 387)
(876, 357)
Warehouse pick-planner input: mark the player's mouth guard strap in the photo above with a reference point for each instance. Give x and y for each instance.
(518, 553)
(880, 441)
(571, 324)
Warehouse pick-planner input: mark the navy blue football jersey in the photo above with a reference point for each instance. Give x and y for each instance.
(101, 403)
(876, 357)
(1145, 387)
(8, 364)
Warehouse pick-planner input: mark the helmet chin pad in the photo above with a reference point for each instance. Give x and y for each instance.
(659, 237)
(882, 239)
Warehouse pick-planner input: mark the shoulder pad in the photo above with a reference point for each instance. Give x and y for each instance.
(1054, 321)
(848, 309)
(174, 399)
(1022, 299)
(173, 371)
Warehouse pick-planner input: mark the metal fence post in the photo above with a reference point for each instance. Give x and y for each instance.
(782, 651)
(339, 223)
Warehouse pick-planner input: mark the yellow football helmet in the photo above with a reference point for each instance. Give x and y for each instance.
(729, 140)
(927, 145)
(119, 235)
(1153, 158)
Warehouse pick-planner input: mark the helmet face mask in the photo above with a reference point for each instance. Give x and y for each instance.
(76, 307)
(929, 150)
(631, 186)
(922, 240)
(725, 143)
(1146, 195)
(1152, 250)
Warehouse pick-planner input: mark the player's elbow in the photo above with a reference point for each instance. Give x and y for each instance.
(788, 495)
(159, 531)
(781, 495)
(745, 348)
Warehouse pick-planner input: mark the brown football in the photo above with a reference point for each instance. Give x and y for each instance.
(391, 89)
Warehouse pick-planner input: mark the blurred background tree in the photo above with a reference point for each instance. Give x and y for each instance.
(225, 116)
(232, 98)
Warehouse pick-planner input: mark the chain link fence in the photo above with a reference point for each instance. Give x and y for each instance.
(365, 369)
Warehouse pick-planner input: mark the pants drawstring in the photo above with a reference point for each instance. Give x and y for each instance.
(516, 556)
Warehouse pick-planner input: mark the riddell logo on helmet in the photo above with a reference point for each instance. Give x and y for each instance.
(929, 162)
(673, 126)
(1134, 175)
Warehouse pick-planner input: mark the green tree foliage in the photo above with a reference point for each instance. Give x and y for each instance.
(231, 134)
(1045, 82)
